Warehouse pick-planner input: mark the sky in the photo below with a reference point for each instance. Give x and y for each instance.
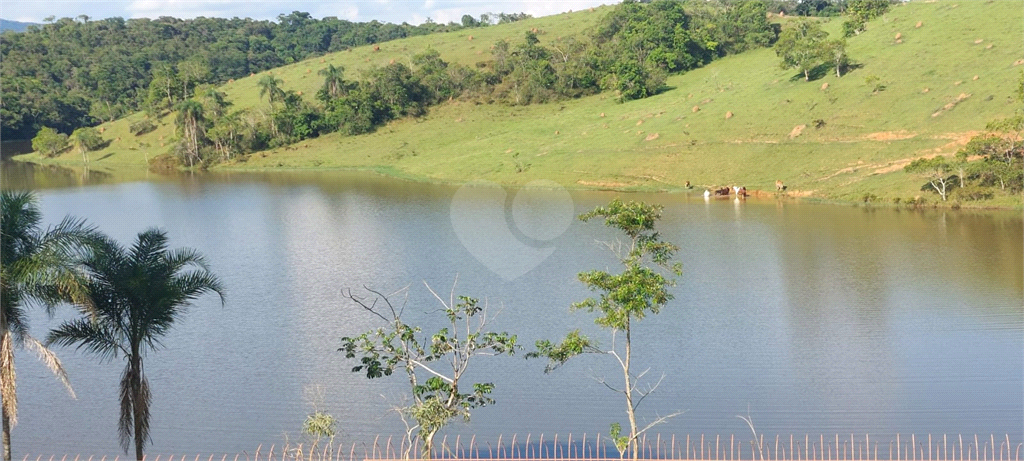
(396, 11)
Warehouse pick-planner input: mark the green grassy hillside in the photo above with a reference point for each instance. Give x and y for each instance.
(740, 120)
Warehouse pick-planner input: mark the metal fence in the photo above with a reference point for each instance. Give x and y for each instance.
(698, 448)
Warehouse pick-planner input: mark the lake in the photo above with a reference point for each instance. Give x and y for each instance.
(808, 318)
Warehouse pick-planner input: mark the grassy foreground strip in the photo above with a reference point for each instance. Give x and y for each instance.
(927, 77)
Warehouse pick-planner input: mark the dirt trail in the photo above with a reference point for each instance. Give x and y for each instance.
(957, 140)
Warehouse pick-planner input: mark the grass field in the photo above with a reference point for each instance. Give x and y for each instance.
(949, 73)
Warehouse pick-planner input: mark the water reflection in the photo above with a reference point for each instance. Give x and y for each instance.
(811, 319)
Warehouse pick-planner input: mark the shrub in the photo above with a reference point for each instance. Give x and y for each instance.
(141, 127)
(48, 142)
(973, 193)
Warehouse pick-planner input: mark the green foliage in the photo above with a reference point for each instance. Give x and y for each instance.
(1002, 153)
(135, 296)
(320, 424)
(49, 142)
(270, 87)
(803, 46)
(572, 345)
(438, 399)
(631, 52)
(744, 26)
(69, 74)
(637, 40)
(334, 83)
(191, 125)
(623, 300)
(141, 127)
(936, 170)
(86, 139)
(820, 8)
(973, 193)
(621, 441)
(862, 11)
(834, 52)
(37, 267)
(719, 28)
(639, 289)
(505, 18)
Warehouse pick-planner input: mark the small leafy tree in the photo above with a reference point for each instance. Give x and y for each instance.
(443, 358)
(862, 11)
(835, 51)
(802, 46)
(937, 170)
(86, 139)
(625, 298)
(49, 141)
(320, 425)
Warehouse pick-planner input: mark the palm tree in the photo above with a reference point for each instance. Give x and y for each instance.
(36, 267)
(269, 86)
(333, 81)
(137, 295)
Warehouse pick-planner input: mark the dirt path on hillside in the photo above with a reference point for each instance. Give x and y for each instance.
(956, 141)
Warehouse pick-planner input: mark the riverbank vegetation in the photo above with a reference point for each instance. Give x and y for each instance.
(738, 119)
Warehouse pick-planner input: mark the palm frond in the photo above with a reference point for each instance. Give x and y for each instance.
(51, 361)
(90, 335)
(142, 402)
(151, 244)
(182, 257)
(135, 403)
(17, 323)
(192, 285)
(137, 294)
(124, 423)
(8, 378)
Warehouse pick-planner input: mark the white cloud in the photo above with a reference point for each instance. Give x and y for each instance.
(185, 8)
(396, 11)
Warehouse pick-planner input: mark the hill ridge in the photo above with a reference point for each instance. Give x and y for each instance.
(734, 121)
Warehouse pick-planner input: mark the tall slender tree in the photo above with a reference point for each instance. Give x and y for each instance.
(137, 294)
(38, 267)
(624, 300)
(191, 124)
(334, 83)
(270, 86)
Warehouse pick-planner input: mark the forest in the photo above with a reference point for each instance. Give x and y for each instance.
(76, 72)
(630, 53)
(70, 73)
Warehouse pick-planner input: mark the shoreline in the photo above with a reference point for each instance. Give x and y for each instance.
(587, 184)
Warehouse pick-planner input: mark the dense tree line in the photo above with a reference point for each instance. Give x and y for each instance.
(630, 52)
(71, 73)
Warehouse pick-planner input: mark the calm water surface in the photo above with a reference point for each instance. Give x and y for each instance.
(812, 319)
